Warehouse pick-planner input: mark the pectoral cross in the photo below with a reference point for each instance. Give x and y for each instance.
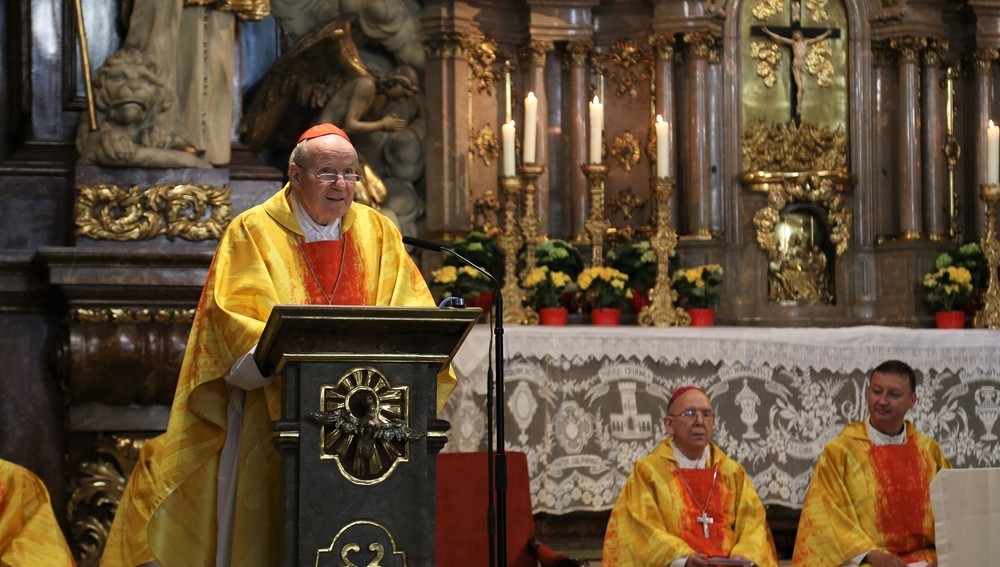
(704, 519)
(797, 38)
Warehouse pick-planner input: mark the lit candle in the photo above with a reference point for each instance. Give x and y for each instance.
(506, 80)
(508, 148)
(993, 154)
(662, 147)
(596, 130)
(530, 119)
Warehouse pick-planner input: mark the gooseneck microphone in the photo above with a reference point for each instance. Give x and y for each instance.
(496, 460)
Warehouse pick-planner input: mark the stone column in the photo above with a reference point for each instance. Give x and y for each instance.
(576, 61)
(533, 57)
(983, 62)
(935, 169)
(696, 179)
(447, 150)
(910, 201)
(663, 103)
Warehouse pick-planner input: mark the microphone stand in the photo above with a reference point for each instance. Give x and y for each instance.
(496, 521)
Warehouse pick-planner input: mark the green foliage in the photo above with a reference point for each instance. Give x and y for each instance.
(638, 261)
(697, 288)
(559, 256)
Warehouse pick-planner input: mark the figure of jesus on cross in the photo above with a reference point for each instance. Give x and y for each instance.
(798, 39)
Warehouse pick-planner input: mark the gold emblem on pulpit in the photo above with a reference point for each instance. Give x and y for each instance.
(363, 543)
(365, 425)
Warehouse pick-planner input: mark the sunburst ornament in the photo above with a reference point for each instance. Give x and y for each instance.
(365, 425)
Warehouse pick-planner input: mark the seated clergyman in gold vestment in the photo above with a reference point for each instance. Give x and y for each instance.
(29, 532)
(869, 498)
(207, 492)
(687, 503)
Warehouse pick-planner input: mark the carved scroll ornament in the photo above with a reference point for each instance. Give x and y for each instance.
(196, 212)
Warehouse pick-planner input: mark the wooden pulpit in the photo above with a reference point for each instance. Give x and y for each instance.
(358, 431)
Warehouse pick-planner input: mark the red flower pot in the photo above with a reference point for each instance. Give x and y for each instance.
(605, 316)
(483, 301)
(640, 299)
(553, 316)
(702, 317)
(950, 319)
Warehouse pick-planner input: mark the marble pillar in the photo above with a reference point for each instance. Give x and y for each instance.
(576, 60)
(935, 170)
(533, 58)
(975, 209)
(697, 168)
(909, 142)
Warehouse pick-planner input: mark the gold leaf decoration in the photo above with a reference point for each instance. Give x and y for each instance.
(765, 9)
(626, 151)
(768, 56)
(485, 145)
(787, 147)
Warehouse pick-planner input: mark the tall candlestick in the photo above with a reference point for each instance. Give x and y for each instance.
(508, 148)
(530, 126)
(993, 154)
(662, 147)
(596, 130)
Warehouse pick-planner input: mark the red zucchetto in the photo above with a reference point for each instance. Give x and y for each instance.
(323, 129)
(681, 390)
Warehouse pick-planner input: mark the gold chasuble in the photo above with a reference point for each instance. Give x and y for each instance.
(864, 497)
(29, 532)
(168, 511)
(663, 511)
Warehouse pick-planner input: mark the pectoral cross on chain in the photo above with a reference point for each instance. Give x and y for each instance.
(704, 519)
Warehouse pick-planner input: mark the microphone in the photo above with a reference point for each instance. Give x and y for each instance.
(421, 243)
(438, 247)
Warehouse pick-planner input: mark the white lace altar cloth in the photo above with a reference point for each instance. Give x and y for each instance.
(584, 403)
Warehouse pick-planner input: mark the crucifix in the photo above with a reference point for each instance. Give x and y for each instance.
(798, 38)
(704, 519)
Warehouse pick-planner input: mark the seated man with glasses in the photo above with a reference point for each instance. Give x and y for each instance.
(207, 492)
(869, 498)
(687, 503)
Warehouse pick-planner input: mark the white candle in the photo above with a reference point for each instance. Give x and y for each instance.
(662, 147)
(993, 154)
(508, 148)
(506, 80)
(530, 126)
(596, 130)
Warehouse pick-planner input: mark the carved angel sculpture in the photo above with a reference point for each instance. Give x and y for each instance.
(369, 428)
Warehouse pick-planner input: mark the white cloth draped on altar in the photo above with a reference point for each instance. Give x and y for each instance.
(584, 403)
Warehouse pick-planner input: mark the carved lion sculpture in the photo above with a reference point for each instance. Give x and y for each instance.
(135, 120)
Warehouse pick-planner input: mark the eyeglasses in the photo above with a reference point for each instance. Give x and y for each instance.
(332, 176)
(689, 415)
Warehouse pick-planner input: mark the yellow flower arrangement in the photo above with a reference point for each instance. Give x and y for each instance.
(461, 281)
(948, 286)
(546, 287)
(604, 287)
(697, 288)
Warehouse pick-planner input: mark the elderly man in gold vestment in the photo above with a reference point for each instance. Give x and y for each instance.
(207, 492)
(687, 503)
(869, 498)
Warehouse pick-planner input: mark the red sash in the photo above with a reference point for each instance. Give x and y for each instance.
(903, 496)
(692, 532)
(326, 259)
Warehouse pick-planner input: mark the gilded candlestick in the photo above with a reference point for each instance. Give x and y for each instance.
(597, 223)
(662, 310)
(989, 316)
(510, 241)
(530, 221)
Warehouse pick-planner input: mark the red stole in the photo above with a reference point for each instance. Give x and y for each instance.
(328, 261)
(700, 481)
(903, 496)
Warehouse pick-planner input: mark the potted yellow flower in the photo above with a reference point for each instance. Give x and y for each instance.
(545, 291)
(698, 292)
(946, 288)
(456, 279)
(606, 291)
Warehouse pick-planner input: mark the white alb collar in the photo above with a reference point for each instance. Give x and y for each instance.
(312, 231)
(880, 439)
(686, 463)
